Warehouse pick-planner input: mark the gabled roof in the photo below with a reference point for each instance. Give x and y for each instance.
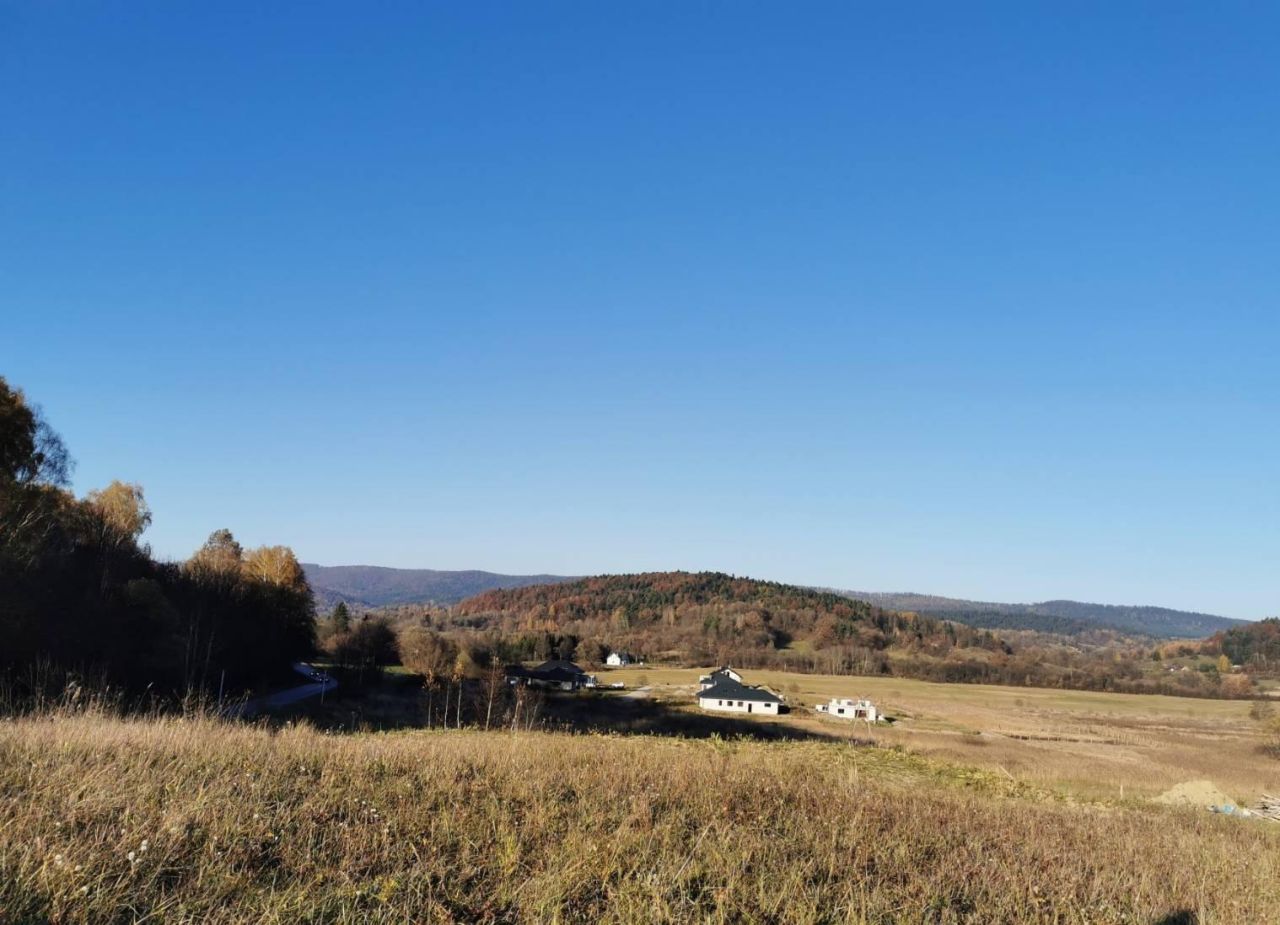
(729, 689)
(724, 671)
(557, 670)
(560, 664)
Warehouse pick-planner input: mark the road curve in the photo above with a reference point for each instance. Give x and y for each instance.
(319, 682)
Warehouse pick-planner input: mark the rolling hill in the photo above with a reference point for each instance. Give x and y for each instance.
(706, 617)
(712, 618)
(374, 586)
(1064, 617)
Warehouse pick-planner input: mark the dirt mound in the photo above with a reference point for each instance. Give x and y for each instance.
(1195, 793)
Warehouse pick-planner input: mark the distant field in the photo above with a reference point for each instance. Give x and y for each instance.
(186, 821)
(1094, 745)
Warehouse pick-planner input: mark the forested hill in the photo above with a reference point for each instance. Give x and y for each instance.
(709, 616)
(1069, 617)
(374, 586)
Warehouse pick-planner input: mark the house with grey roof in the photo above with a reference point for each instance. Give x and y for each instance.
(556, 674)
(720, 674)
(725, 695)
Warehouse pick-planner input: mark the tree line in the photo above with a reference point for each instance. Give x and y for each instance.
(80, 593)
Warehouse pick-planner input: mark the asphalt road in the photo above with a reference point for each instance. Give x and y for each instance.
(318, 683)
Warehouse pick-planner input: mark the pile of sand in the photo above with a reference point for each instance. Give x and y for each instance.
(1199, 793)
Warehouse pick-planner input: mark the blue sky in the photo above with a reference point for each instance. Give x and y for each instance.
(971, 300)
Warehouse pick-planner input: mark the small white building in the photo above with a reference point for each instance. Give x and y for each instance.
(619, 659)
(844, 708)
(720, 674)
(729, 696)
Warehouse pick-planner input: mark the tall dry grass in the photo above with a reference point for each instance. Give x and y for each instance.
(104, 819)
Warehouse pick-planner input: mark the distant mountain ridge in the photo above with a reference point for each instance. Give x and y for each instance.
(1056, 616)
(376, 586)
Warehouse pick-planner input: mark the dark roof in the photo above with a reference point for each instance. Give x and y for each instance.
(560, 664)
(557, 670)
(729, 689)
(721, 672)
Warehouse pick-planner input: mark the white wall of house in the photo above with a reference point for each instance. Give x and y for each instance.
(616, 660)
(738, 706)
(843, 708)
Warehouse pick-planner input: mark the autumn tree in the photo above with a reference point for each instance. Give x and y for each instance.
(122, 512)
(1236, 685)
(118, 515)
(218, 560)
(431, 655)
(424, 652)
(252, 610)
(274, 565)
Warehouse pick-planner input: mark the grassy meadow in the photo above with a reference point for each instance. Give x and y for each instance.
(104, 819)
(1080, 743)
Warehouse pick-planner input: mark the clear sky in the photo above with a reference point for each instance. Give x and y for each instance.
(969, 299)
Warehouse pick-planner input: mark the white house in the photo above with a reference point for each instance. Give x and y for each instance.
(729, 696)
(720, 674)
(619, 659)
(845, 708)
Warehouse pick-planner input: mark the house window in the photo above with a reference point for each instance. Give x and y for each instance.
(840, 711)
(741, 704)
(719, 703)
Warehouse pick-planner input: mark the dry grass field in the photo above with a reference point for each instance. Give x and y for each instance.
(1097, 746)
(108, 820)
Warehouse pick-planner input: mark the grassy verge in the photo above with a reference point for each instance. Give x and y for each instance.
(170, 820)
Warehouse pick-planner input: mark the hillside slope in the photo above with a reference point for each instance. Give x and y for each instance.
(375, 586)
(710, 616)
(713, 618)
(1068, 617)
